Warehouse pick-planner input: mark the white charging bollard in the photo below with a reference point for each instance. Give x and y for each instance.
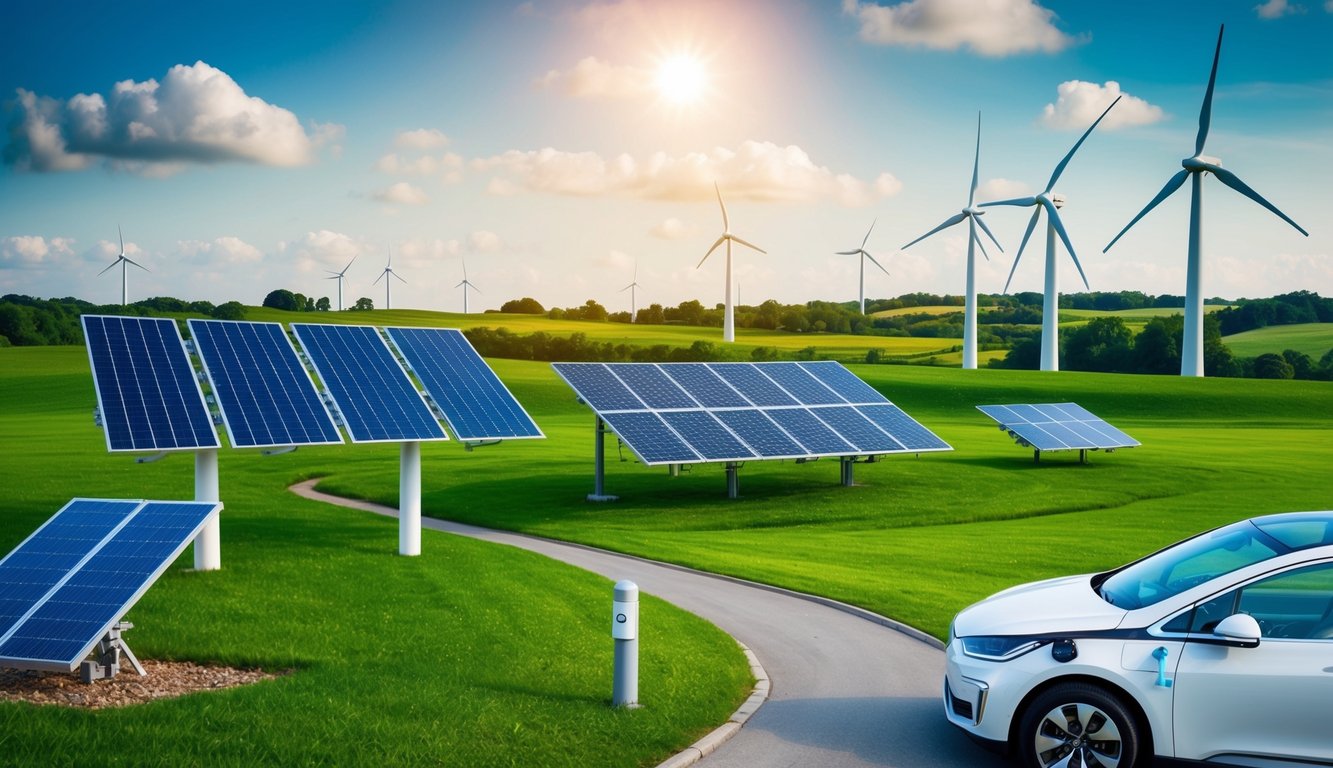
(625, 633)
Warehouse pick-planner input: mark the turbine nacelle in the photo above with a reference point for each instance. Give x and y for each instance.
(1057, 199)
(1201, 163)
(973, 210)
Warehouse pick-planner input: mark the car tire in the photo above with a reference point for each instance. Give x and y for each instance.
(1078, 718)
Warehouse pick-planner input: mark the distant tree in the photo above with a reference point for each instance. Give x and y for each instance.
(619, 317)
(232, 310)
(1218, 360)
(687, 313)
(281, 299)
(1302, 366)
(301, 301)
(763, 354)
(323, 304)
(363, 304)
(309, 305)
(1157, 347)
(523, 306)
(591, 310)
(651, 315)
(1101, 345)
(1272, 366)
(794, 320)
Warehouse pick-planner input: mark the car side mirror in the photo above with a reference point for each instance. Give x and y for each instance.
(1239, 630)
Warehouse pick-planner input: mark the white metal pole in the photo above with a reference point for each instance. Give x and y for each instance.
(625, 632)
(728, 324)
(208, 544)
(862, 292)
(1191, 346)
(409, 499)
(1050, 307)
(970, 305)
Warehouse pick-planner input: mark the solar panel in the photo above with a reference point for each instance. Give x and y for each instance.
(844, 382)
(652, 386)
(761, 434)
(266, 396)
(599, 387)
(800, 384)
(147, 392)
(377, 400)
(111, 574)
(1057, 427)
(752, 384)
(707, 436)
(475, 402)
(818, 437)
(704, 386)
(649, 438)
(904, 428)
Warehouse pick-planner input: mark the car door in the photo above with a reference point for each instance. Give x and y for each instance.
(1272, 700)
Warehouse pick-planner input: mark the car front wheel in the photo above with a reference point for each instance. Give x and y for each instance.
(1078, 725)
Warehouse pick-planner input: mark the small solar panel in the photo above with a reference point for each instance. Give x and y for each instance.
(147, 392)
(475, 402)
(266, 396)
(597, 386)
(111, 574)
(1057, 427)
(375, 396)
(650, 438)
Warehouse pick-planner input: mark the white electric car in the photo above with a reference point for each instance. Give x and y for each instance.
(1217, 649)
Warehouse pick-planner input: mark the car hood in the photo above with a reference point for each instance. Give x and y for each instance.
(1066, 604)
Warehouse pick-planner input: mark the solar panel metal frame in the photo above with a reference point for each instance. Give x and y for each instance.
(68, 664)
(98, 383)
(1032, 432)
(227, 416)
(417, 368)
(296, 330)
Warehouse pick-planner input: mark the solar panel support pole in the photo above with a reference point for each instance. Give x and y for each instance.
(673, 470)
(733, 480)
(208, 544)
(848, 476)
(599, 462)
(409, 499)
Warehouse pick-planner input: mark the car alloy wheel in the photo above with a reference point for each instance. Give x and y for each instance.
(1075, 725)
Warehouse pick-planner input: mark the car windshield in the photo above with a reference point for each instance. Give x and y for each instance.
(1191, 562)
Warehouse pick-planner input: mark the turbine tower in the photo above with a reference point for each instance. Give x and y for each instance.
(388, 272)
(466, 284)
(865, 255)
(728, 321)
(1051, 202)
(633, 298)
(123, 261)
(973, 215)
(340, 276)
(1198, 164)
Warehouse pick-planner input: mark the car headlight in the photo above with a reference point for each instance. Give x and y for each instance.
(998, 648)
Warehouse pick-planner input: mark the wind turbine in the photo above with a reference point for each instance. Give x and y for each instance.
(865, 255)
(1198, 164)
(973, 215)
(728, 321)
(1051, 202)
(633, 299)
(466, 284)
(339, 276)
(123, 261)
(388, 271)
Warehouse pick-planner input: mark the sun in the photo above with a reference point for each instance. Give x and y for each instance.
(681, 79)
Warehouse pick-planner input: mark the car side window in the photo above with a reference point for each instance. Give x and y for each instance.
(1296, 605)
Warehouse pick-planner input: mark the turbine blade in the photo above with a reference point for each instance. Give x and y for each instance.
(135, 263)
(710, 251)
(461, 284)
(1059, 169)
(349, 266)
(108, 268)
(1206, 112)
(848, 253)
(1064, 237)
(122, 240)
(1172, 184)
(1232, 180)
(626, 288)
(981, 247)
(976, 165)
(876, 263)
(381, 277)
(1032, 224)
(949, 222)
(866, 239)
(401, 280)
(726, 227)
(981, 223)
(748, 244)
(1018, 201)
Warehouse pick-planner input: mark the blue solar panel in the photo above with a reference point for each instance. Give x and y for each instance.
(704, 385)
(707, 436)
(96, 593)
(1058, 427)
(598, 387)
(760, 433)
(266, 396)
(146, 389)
(810, 432)
(652, 386)
(752, 384)
(904, 428)
(649, 437)
(857, 429)
(475, 402)
(373, 393)
(800, 384)
(844, 382)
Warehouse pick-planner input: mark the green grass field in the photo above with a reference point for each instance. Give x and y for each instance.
(1314, 339)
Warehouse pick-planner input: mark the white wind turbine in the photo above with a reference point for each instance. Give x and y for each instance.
(973, 215)
(1198, 164)
(728, 321)
(1051, 202)
(123, 261)
(388, 272)
(633, 298)
(864, 254)
(340, 276)
(466, 284)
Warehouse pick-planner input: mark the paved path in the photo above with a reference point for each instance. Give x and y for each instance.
(845, 691)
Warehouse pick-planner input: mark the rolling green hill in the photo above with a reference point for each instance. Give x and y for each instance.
(1314, 339)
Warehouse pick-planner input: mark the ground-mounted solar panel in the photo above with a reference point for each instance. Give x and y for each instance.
(652, 440)
(706, 387)
(798, 382)
(373, 394)
(1057, 427)
(906, 430)
(147, 393)
(761, 434)
(651, 385)
(844, 382)
(752, 384)
(707, 436)
(476, 404)
(111, 573)
(266, 396)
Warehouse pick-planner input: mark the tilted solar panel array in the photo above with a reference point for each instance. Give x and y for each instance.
(266, 396)
(146, 388)
(1058, 427)
(682, 413)
(65, 586)
(474, 401)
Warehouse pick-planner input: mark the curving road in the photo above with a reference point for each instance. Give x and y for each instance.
(845, 691)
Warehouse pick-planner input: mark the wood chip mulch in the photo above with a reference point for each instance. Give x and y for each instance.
(165, 680)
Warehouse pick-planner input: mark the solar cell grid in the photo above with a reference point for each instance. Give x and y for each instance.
(857, 429)
(598, 387)
(1058, 426)
(650, 438)
(904, 428)
(843, 381)
(760, 433)
(753, 385)
(652, 386)
(704, 386)
(814, 435)
(707, 436)
(800, 384)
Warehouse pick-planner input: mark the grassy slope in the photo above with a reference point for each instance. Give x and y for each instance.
(1314, 339)
(471, 654)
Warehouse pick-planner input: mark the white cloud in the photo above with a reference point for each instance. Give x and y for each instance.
(484, 241)
(671, 229)
(1276, 9)
(754, 171)
(323, 250)
(402, 193)
(1001, 189)
(448, 166)
(421, 138)
(28, 251)
(227, 250)
(991, 28)
(1079, 103)
(593, 78)
(197, 114)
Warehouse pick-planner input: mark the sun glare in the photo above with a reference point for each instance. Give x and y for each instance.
(681, 79)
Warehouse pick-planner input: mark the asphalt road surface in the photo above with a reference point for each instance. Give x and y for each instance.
(846, 692)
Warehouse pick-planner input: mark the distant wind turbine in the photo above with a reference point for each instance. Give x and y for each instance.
(388, 272)
(728, 321)
(1198, 164)
(466, 284)
(123, 261)
(339, 276)
(1051, 202)
(864, 254)
(633, 298)
(973, 215)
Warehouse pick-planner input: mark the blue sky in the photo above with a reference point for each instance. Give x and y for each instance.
(249, 147)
